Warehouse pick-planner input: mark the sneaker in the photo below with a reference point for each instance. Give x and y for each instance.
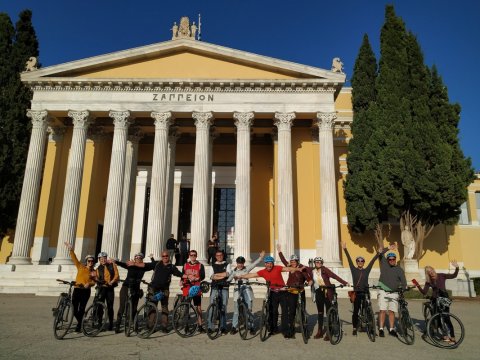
(224, 331)
(201, 329)
(252, 331)
(381, 333)
(354, 332)
(209, 331)
(326, 338)
(392, 332)
(233, 331)
(78, 329)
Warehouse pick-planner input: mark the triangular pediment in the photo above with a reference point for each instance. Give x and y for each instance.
(183, 59)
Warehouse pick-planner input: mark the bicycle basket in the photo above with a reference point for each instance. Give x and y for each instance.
(205, 287)
(157, 296)
(443, 302)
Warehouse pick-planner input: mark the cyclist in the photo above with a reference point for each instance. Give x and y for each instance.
(221, 271)
(321, 276)
(193, 273)
(391, 277)
(360, 282)
(83, 283)
(171, 246)
(107, 274)
(297, 280)
(273, 274)
(241, 269)
(437, 281)
(135, 271)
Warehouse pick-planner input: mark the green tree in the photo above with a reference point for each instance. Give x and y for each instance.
(15, 125)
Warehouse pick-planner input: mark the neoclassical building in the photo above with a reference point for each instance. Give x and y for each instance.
(191, 138)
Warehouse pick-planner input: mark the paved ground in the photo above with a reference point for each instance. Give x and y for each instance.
(26, 332)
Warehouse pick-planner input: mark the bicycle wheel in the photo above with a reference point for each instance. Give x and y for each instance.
(185, 319)
(406, 326)
(213, 321)
(265, 318)
(63, 319)
(128, 319)
(444, 325)
(370, 323)
(304, 325)
(427, 312)
(94, 320)
(334, 326)
(242, 320)
(146, 320)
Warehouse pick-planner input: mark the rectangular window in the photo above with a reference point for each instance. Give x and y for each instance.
(477, 204)
(464, 220)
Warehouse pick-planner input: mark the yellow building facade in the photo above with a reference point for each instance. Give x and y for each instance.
(193, 139)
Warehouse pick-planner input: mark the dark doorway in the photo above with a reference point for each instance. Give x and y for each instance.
(224, 218)
(145, 220)
(185, 212)
(98, 245)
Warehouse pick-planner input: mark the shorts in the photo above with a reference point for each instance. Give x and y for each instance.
(387, 301)
(197, 300)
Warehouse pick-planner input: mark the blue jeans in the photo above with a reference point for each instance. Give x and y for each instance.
(223, 312)
(248, 297)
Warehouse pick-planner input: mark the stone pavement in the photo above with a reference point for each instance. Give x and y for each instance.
(26, 325)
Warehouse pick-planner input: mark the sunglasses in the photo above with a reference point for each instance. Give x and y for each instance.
(392, 259)
(90, 260)
(194, 255)
(361, 261)
(164, 255)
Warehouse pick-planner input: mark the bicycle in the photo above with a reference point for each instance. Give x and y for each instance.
(128, 311)
(265, 314)
(301, 316)
(405, 323)
(334, 324)
(146, 318)
(96, 314)
(443, 326)
(245, 316)
(366, 316)
(185, 315)
(215, 311)
(63, 312)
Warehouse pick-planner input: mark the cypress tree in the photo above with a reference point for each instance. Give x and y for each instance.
(15, 124)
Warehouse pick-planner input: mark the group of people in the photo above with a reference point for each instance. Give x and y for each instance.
(282, 295)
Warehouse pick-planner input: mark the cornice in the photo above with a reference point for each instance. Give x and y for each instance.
(174, 85)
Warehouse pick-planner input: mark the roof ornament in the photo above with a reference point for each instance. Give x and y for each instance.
(31, 64)
(184, 30)
(337, 65)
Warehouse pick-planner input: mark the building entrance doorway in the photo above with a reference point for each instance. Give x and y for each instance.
(185, 213)
(224, 218)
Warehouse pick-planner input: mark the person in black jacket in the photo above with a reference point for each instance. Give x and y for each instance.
(359, 282)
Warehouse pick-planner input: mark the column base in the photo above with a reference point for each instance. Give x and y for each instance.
(20, 260)
(410, 266)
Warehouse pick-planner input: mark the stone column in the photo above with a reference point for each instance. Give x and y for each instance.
(142, 180)
(27, 212)
(177, 183)
(73, 186)
(113, 207)
(156, 215)
(243, 122)
(201, 194)
(284, 123)
(125, 236)
(172, 144)
(328, 190)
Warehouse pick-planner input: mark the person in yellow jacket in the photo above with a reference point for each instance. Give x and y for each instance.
(107, 275)
(84, 280)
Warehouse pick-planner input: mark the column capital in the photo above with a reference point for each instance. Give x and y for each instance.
(162, 119)
(121, 119)
(325, 120)
(56, 133)
(243, 120)
(203, 119)
(284, 121)
(80, 119)
(40, 118)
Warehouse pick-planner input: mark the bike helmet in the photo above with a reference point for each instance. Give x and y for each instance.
(268, 259)
(194, 291)
(139, 254)
(240, 260)
(294, 258)
(205, 287)
(89, 257)
(393, 255)
(102, 254)
(360, 258)
(318, 258)
(157, 296)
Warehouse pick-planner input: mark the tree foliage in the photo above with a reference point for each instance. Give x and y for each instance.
(407, 139)
(17, 45)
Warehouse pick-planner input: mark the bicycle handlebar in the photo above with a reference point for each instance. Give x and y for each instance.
(72, 283)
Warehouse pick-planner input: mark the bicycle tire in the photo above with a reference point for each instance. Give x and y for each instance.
(304, 325)
(213, 321)
(128, 329)
(428, 312)
(94, 320)
(63, 319)
(185, 319)
(370, 323)
(264, 320)
(145, 321)
(407, 328)
(334, 326)
(242, 320)
(437, 329)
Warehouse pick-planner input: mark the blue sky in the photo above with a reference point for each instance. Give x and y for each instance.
(310, 32)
